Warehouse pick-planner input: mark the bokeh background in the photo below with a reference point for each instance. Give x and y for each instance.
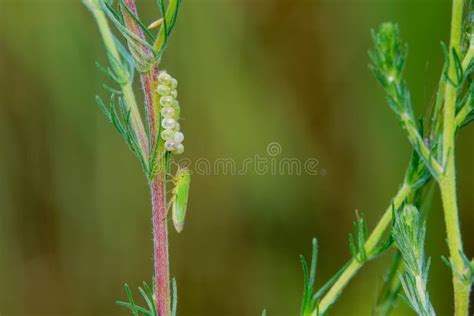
(74, 206)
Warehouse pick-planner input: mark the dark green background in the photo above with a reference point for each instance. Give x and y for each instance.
(74, 207)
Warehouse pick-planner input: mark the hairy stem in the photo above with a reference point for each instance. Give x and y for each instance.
(375, 237)
(149, 78)
(160, 245)
(461, 290)
(447, 181)
(149, 81)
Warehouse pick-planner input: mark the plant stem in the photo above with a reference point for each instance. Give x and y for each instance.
(127, 90)
(149, 78)
(330, 297)
(461, 290)
(447, 181)
(377, 234)
(160, 243)
(463, 113)
(390, 292)
(158, 183)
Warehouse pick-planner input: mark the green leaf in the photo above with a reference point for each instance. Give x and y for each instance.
(391, 289)
(309, 278)
(174, 307)
(409, 230)
(103, 108)
(145, 29)
(169, 21)
(358, 239)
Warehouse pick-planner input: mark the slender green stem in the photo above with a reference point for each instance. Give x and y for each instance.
(127, 90)
(417, 141)
(461, 290)
(147, 78)
(390, 292)
(375, 237)
(463, 113)
(446, 173)
(447, 180)
(469, 56)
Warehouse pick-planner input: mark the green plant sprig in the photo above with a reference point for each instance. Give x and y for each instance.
(144, 139)
(447, 181)
(389, 59)
(409, 230)
(416, 177)
(389, 294)
(121, 72)
(147, 295)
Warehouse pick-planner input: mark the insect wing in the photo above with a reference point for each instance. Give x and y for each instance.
(180, 201)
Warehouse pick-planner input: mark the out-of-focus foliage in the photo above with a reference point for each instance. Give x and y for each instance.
(72, 228)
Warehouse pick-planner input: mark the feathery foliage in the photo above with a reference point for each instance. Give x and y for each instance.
(433, 141)
(409, 230)
(156, 138)
(388, 296)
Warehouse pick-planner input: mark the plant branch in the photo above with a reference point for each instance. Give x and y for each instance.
(463, 113)
(372, 242)
(148, 78)
(419, 145)
(127, 90)
(149, 81)
(447, 180)
(392, 285)
(353, 266)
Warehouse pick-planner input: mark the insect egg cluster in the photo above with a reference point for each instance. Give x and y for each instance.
(170, 112)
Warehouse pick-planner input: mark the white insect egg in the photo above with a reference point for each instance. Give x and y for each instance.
(170, 145)
(168, 123)
(163, 90)
(166, 100)
(174, 93)
(178, 137)
(177, 109)
(177, 127)
(165, 78)
(167, 134)
(167, 112)
(179, 149)
(175, 104)
(174, 83)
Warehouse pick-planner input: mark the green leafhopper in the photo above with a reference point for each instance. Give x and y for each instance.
(179, 199)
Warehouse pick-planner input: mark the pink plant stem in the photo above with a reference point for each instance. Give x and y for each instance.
(160, 242)
(148, 79)
(158, 184)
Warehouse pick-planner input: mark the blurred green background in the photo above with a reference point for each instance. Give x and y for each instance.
(74, 207)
